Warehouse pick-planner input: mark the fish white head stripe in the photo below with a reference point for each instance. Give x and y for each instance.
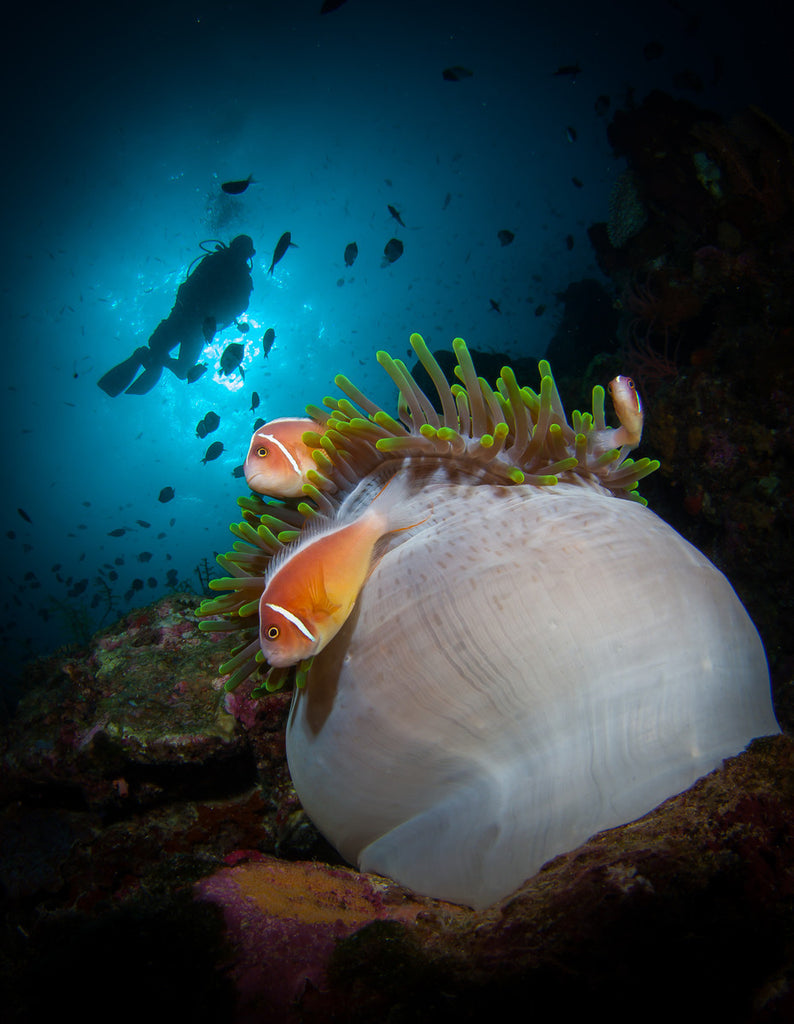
(285, 451)
(293, 619)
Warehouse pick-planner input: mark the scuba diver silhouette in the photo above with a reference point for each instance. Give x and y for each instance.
(214, 293)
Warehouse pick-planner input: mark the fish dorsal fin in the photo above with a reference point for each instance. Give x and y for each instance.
(311, 531)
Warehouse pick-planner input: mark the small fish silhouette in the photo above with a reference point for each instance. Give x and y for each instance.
(211, 422)
(392, 251)
(214, 451)
(232, 357)
(568, 71)
(396, 214)
(234, 188)
(284, 243)
(456, 73)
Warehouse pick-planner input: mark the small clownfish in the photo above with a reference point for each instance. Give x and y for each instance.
(278, 460)
(311, 594)
(628, 409)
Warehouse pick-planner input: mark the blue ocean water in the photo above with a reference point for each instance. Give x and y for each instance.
(121, 124)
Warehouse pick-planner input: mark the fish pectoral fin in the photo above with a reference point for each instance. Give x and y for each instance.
(322, 606)
(327, 612)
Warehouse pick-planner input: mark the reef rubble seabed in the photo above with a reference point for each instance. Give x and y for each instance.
(154, 859)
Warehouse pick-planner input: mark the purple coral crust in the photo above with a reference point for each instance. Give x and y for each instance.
(284, 921)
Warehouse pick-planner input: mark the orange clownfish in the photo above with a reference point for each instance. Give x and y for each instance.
(312, 592)
(278, 460)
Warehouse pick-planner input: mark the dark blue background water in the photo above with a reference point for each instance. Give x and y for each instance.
(120, 124)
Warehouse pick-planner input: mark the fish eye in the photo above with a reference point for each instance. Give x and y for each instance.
(272, 632)
(629, 383)
(262, 452)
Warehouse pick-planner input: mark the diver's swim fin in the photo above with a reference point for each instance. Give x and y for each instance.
(146, 381)
(121, 376)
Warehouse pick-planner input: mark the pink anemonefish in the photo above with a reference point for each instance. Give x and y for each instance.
(628, 408)
(278, 460)
(312, 592)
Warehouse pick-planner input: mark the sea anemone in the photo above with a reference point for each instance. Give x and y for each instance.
(533, 662)
(510, 436)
